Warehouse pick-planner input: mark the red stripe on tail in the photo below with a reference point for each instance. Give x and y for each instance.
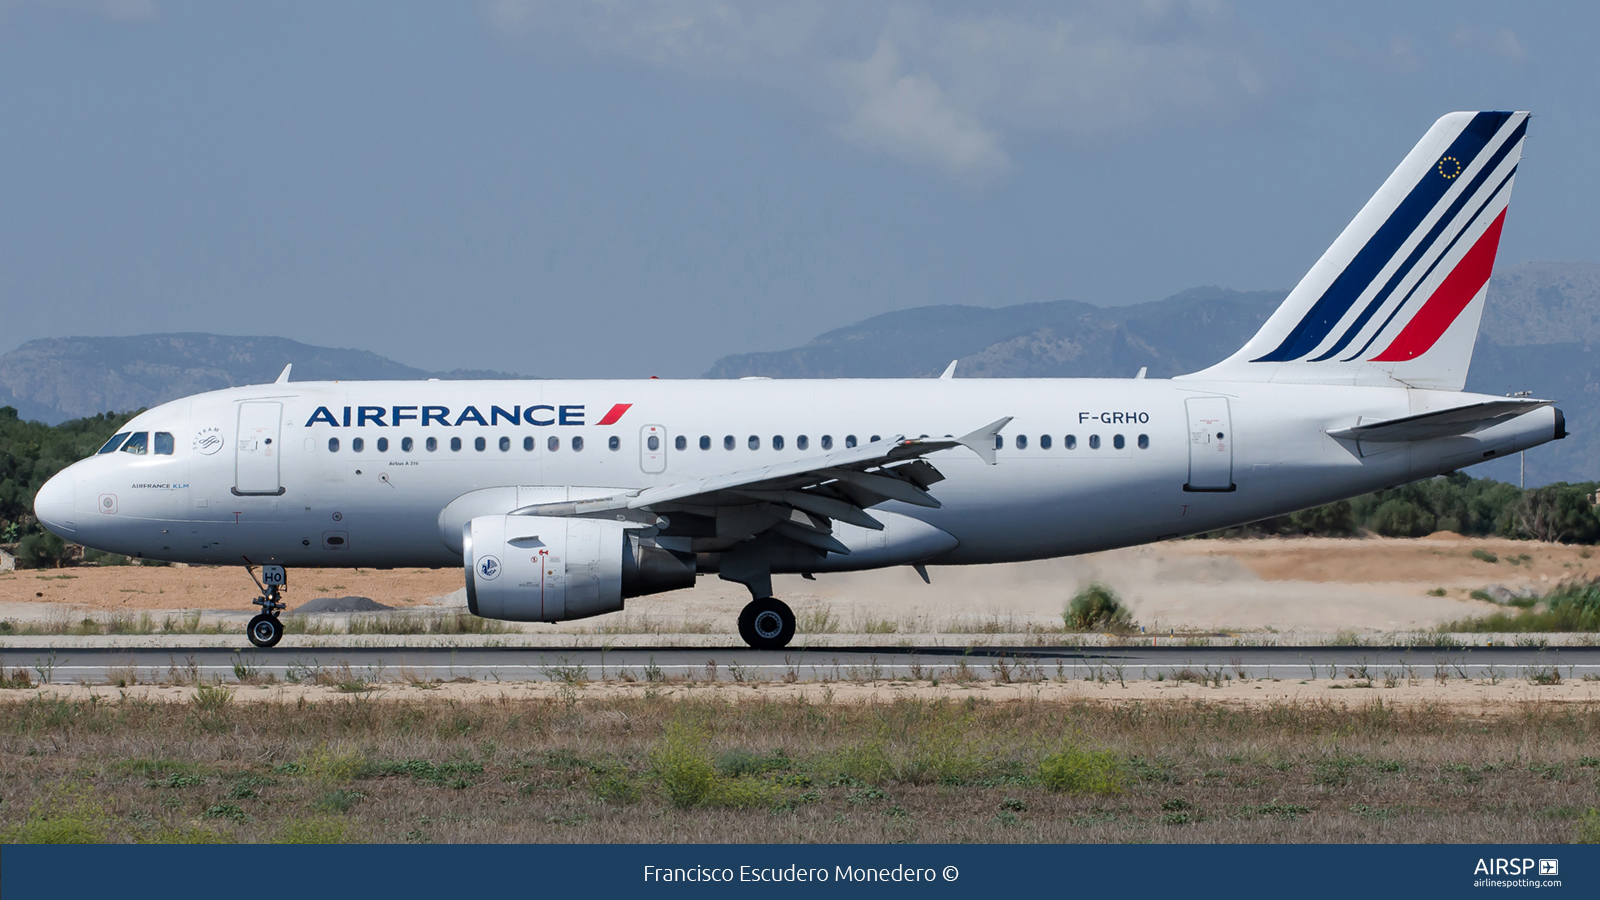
(1459, 287)
(615, 414)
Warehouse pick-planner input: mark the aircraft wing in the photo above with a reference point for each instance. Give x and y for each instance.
(799, 498)
(1442, 423)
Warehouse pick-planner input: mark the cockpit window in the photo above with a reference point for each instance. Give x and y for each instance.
(115, 442)
(164, 443)
(138, 443)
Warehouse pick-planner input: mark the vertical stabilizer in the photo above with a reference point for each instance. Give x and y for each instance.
(1398, 297)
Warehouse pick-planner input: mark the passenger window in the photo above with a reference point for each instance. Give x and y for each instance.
(527, 444)
(1044, 442)
(849, 440)
(754, 442)
(705, 442)
(1144, 442)
(680, 442)
(728, 442)
(577, 444)
(801, 442)
(553, 444)
(455, 444)
(1118, 442)
(614, 442)
(115, 442)
(356, 444)
(138, 444)
(652, 442)
(383, 445)
(777, 442)
(505, 444)
(1072, 442)
(1022, 442)
(432, 444)
(827, 442)
(1094, 442)
(406, 444)
(333, 445)
(164, 443)
(479, 444)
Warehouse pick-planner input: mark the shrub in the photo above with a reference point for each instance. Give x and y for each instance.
(687, 776)
(316, 830)
(41, 550)
(329, 765)
(1572, 606)
(739, 762)
(95, 557)
(1402, 518)
(1589, 828)
(1097, 608)
(1078, 771)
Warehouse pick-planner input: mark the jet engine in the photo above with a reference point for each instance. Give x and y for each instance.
(548, 569)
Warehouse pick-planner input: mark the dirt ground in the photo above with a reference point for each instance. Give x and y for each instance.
(1461, 696)
(1276, 584)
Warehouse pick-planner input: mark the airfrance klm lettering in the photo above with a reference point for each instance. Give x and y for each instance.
(427, 416)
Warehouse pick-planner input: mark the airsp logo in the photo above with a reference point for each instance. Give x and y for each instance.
(208, 441)
(488, 568)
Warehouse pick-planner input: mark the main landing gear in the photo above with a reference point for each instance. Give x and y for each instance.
(767, 624)
(266, 630)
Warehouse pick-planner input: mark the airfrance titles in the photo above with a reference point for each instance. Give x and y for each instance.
(444, 416)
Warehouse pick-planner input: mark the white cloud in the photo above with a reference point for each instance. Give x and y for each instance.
(907, 115)
(932, 85)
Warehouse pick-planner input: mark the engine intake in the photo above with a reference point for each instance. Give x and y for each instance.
(547, 569)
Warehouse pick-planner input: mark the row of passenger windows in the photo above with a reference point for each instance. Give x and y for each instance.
(553, 443)
(653, 442)
(139, 443)
(1070, 442)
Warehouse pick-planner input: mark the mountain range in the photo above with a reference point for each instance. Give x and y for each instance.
(1540, 327)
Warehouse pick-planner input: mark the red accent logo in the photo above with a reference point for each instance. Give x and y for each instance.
(616, 412)
(1453, 295)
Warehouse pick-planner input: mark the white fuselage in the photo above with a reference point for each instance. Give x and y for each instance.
(304, 504)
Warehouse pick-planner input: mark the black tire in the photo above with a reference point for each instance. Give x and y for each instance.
(767, 624)
(265, 630)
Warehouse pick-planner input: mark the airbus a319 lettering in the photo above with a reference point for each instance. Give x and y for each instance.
(562, 499)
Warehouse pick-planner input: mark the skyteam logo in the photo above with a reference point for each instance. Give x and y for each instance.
(488, 568)
(208, 441)
(1417, 255)
(540, 414)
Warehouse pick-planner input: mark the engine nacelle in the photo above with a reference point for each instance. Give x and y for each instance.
(548, 569)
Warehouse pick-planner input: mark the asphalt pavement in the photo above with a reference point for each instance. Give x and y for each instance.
(99, 665)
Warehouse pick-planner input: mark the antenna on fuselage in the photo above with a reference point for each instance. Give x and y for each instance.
(949, 371)
(283, 377)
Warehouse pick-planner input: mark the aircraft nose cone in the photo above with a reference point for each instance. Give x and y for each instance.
(55, 504)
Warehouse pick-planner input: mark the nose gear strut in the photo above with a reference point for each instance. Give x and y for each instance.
(266, 629)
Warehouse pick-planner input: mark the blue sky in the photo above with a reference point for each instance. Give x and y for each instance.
(586, 189)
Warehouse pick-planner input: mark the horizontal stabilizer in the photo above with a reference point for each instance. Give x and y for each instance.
(1443, 423)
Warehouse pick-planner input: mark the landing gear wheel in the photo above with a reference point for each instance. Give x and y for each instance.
(767, 624)
(265, 630)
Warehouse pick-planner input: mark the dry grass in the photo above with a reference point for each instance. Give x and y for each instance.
(652, 768)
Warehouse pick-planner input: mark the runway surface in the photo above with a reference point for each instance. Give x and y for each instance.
(99, 665)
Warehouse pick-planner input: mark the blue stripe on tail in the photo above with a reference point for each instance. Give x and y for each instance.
(1311, 330)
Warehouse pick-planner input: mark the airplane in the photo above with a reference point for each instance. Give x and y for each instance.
(562, 499)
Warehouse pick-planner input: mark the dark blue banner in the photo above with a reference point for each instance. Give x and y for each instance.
(435, 871)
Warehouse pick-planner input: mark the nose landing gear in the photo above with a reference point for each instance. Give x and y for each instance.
(767, 624)
(266, 630)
